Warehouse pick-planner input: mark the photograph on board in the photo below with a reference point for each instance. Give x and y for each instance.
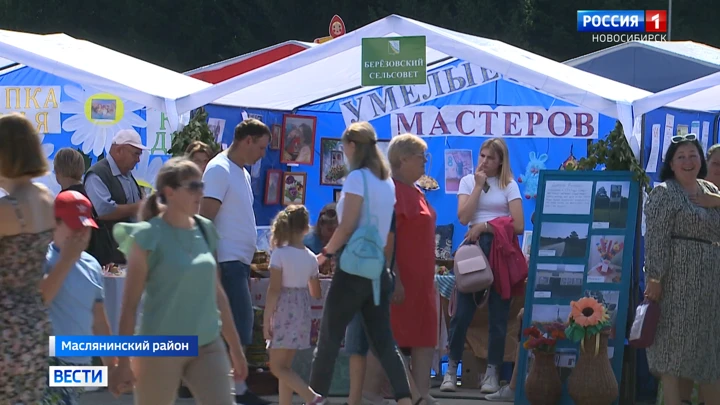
(276, 136)
(332, 163)
(563, 239)
(544, 315)
(559, 280)
(264, 235)
(611, 204)
(606, 259)
(610, 299)
(272, 186)
(102, 109)
(458, 164)
(526, 243)
(217, 127)
(298, 139)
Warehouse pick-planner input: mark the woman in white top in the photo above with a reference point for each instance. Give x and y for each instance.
(350, 294)
(487, 194)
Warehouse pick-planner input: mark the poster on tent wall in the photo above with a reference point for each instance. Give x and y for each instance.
(582, 246)
(68, 114)
(662, 124)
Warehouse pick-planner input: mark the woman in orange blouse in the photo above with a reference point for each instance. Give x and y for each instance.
(414, 312)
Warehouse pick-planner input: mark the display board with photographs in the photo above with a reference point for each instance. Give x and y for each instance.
(582, 246)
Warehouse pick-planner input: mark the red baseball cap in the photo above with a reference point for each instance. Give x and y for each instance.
(74, 209)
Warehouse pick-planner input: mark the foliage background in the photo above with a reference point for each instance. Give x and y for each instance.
(183, 35)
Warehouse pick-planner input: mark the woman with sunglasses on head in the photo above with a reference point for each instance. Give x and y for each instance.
(713, 176)
(682, 249)
(171, 258)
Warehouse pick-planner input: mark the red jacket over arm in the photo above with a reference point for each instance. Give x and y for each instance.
(507, 261)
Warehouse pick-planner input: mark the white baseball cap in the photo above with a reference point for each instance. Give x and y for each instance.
(129, 137)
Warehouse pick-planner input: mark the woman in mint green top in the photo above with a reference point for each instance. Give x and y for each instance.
(171, 260)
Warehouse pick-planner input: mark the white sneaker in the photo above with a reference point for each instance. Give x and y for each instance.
(490, 384)
(449, 383)
(505, 394)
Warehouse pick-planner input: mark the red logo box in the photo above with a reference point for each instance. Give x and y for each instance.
(655, 21)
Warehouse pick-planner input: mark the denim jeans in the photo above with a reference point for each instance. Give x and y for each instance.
(348, 295)
(356, 341)
(465, 311)
(235, 279)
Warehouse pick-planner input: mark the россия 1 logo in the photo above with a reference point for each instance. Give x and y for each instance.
(623, 25)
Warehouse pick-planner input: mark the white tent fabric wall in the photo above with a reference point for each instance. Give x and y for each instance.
(334, 67)
(702, 94)
(101, 68)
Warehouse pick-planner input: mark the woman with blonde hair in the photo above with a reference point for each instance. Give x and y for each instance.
(414, 264)
(200, 153)
(485, 196)
(27, 221)
(368, 193)
(171, 257)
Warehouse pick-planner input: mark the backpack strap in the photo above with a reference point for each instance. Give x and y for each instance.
(201, 227)
(366, 199)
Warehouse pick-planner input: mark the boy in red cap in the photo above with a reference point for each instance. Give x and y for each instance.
(73, 286)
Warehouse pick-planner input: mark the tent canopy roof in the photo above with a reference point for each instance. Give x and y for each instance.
(652, 66)
(90, 64)
(702, 94)
(334, 67)
(227, 62)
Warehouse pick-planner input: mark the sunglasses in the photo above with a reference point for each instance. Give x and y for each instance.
(194, 186)
(330, 213)
(682, 138)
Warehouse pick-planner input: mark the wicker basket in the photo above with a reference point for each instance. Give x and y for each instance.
(543, 385)
(592, 381)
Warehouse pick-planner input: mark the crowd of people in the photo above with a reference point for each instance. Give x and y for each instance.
(186, 250)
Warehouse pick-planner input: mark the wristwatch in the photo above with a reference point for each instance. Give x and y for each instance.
(325, 253)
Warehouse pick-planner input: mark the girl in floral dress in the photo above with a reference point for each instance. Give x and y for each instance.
(293, 279)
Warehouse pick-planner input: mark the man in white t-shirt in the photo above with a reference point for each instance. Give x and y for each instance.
(228, 202)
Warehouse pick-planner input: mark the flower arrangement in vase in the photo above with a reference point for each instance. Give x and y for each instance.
(592, 381)
(607, 250)
(543, 385)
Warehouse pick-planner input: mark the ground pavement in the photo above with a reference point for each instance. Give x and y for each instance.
(461, 397)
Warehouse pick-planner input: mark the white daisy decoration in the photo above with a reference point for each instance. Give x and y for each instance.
(146, 171)
(97, 117)
(48, 180)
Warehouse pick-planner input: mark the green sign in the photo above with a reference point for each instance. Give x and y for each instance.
(393, 61)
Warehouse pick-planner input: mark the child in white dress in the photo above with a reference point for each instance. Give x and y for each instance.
(287, 322)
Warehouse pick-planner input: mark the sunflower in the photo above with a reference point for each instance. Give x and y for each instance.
(588, 312)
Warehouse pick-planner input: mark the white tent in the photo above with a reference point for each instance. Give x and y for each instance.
(702, 94)
(334, 67)
(90, 64)
(241, 58)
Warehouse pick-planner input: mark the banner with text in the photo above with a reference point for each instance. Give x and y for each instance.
(442, 81)
(77, 116)
(40, 104)
(506, 121)
(396, 60)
